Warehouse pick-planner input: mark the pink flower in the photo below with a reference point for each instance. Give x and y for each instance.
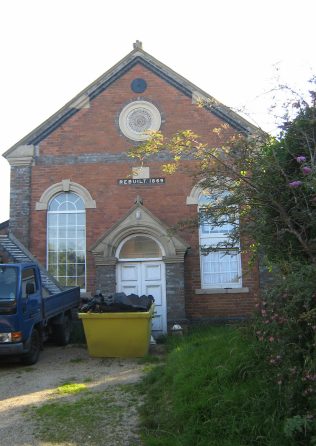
(301, 159)
(306, 170)
(271, 338)
(294, 184)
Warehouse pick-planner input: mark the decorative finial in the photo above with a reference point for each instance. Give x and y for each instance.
(138, 44)
(139, 200)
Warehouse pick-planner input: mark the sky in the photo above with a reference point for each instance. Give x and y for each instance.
(236, 51)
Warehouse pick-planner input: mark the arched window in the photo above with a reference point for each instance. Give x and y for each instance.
(66, 239)
(139, 246)
(220, 268)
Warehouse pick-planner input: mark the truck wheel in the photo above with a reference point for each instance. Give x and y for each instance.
(32, 356)
(62, 332)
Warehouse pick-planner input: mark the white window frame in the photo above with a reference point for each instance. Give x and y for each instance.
(77, 211)
(208, 240)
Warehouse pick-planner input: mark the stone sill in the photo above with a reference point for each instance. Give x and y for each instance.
(222, 290)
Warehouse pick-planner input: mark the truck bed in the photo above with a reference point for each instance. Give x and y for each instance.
(58, 303)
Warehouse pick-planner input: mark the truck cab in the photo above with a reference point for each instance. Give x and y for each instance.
(27, 316)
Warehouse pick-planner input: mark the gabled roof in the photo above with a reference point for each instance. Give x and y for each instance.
(137, 56)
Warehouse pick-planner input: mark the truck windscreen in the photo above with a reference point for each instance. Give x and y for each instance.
(8, 283)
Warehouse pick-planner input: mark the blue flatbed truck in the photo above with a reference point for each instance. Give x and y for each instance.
(28, 317)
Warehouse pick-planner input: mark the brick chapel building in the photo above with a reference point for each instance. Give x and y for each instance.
(84, 210)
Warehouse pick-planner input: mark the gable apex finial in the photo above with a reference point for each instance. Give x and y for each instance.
(138, 44)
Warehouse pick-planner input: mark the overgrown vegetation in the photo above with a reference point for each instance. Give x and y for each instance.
(265, 187)
(214, 391)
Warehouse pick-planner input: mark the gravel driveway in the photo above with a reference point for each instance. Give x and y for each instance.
(23, 387)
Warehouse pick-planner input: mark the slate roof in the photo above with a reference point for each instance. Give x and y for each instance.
(136, 56)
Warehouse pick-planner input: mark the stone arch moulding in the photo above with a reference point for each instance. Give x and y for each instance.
(194, 196)
(139, 221)
(65, 186)
(196, 191)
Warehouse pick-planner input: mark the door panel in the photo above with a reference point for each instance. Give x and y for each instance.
(130, 272)
(154, 290)
(129, 276)
(152, 272)
(146, 278)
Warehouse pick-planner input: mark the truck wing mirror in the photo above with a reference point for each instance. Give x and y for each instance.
(30, 288)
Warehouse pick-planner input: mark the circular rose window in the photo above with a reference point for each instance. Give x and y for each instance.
(137, 118)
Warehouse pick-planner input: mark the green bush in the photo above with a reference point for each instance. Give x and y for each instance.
(286, 331)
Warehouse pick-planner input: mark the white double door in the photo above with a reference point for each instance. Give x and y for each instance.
(147, 278)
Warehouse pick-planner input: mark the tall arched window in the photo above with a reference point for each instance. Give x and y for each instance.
(220, 268)
(66, 239)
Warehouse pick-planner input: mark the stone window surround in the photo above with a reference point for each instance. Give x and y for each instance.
(135, 106)
(65, 186)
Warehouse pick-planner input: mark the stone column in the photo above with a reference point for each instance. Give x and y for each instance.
(175, 290)
(105, 280)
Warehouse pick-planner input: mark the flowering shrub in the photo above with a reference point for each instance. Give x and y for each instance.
(286, 330)
(272, 186)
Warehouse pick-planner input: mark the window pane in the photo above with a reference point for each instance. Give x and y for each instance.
(81, 244)
(61, 232)
(54, 204)
(71, 257)
(220, 269)
(80, 257)
(62, 220)
(52, 245)
(52, 220)
(80, 270)
(62, 244)
(81, 232)
(62, 280)
(61, 270)
(80, 282)
(63, 207)
(81, 219)
(71, 281)
(61, 257)
(52, 269)
(72, 219)
(52, 257)
(52, 233)
(72, 244)
(71, 269)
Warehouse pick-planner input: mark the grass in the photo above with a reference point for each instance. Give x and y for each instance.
(71, 388)
(212, 391)
(77, 360)
(149, 359)
(92, 418)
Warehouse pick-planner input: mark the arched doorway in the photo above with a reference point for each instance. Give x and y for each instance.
(140, 270)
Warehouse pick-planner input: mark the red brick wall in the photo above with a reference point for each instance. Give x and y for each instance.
(95, 130)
